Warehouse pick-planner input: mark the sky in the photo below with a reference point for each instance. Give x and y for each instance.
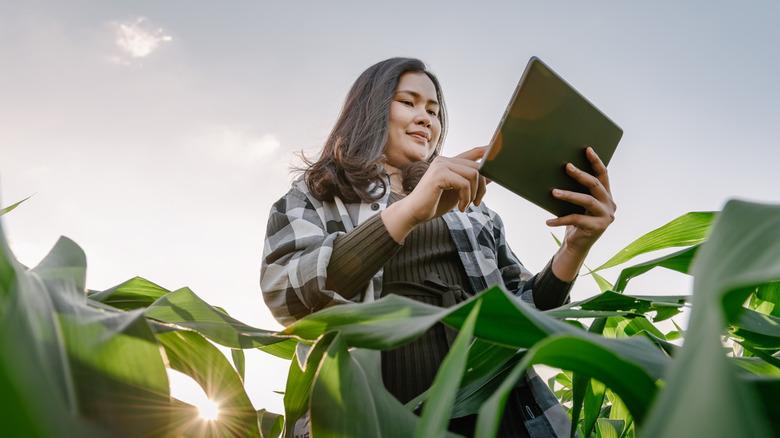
(158, 134)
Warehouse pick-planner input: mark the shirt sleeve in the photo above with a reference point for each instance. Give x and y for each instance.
(548, 290)
(542, 290)
(296, 253)
(358, 255)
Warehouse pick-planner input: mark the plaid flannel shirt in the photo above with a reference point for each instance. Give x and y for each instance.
(299, 243)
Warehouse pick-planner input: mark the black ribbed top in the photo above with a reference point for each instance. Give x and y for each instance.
(426, 268)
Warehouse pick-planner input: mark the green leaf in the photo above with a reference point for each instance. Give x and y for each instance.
(236, 354)
(114, 356)
(270, 424)
(581, 355)
(10, 208)
(594, 398)
(567, 313)
(757, 366)
(193, 355)
(64, 271)
(760, 330)
(388, 322)
(606, 428)
(742, 250)
(639, 324)
(185, 309)
(766, 357)
(436, 411)
(688, 229)
(581, 383)
(613, 301)
(348, 399)
(394, 320)
(668, 347)
(136, 293)
(767, 389)
(770, 292)
(601, 282)
(35, 375)
(765, 298)
(300, 380)
(618, 411)
(679, 261)
(487, 365)
(382, 324)
(579, 389)
(564, 379)
(239, 362)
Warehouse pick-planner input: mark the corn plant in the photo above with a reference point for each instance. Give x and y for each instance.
(92, 363)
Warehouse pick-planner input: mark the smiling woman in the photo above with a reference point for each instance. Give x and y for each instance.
(382, 212)
(327, 245)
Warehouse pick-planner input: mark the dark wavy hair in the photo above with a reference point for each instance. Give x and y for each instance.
(351, 164)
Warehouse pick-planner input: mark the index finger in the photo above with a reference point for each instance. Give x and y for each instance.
(473, 154)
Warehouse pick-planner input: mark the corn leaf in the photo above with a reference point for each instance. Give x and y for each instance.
(270, 424)
(437, 410)
(348, 399)
(581, 355)
(679, 261)
(742, 250)
(191, 354)
(185, 309)
(11, 207)
(686, 230)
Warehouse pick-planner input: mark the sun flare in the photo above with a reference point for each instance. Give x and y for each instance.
(208, 410)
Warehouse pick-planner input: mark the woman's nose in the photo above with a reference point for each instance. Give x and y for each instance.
(423, 119)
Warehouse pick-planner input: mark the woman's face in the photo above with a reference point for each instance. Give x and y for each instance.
(414, 126)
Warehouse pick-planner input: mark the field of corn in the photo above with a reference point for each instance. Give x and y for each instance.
(80, 362)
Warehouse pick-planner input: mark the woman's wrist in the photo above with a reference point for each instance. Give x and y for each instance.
(567, 262)
(398, 220)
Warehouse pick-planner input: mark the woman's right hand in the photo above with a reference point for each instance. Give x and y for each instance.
(448, 182)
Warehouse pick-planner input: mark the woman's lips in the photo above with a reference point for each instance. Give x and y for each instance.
(419, 137)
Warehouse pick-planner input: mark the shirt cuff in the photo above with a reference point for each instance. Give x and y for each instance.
(550, 291)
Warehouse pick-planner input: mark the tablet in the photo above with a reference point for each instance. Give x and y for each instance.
(547, 124)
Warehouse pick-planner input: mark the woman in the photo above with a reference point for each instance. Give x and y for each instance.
(381, 211)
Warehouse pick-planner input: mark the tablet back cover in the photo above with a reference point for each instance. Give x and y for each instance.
(547, 124)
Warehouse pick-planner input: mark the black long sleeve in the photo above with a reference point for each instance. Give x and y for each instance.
(358, 255)
(549, 291)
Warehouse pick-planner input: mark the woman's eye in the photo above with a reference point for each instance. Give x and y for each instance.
(410, 103)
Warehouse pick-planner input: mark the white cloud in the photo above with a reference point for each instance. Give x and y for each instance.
(137, 39)
(238, 146)
(241, 146)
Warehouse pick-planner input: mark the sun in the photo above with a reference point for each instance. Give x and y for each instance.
(208, 409)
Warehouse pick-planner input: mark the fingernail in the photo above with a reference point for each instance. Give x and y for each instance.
(556, 192)
(570, 166)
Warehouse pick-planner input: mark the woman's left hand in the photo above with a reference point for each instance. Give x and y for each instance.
(582, 230)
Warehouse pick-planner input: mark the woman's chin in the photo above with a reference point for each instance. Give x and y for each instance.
(421, 152)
